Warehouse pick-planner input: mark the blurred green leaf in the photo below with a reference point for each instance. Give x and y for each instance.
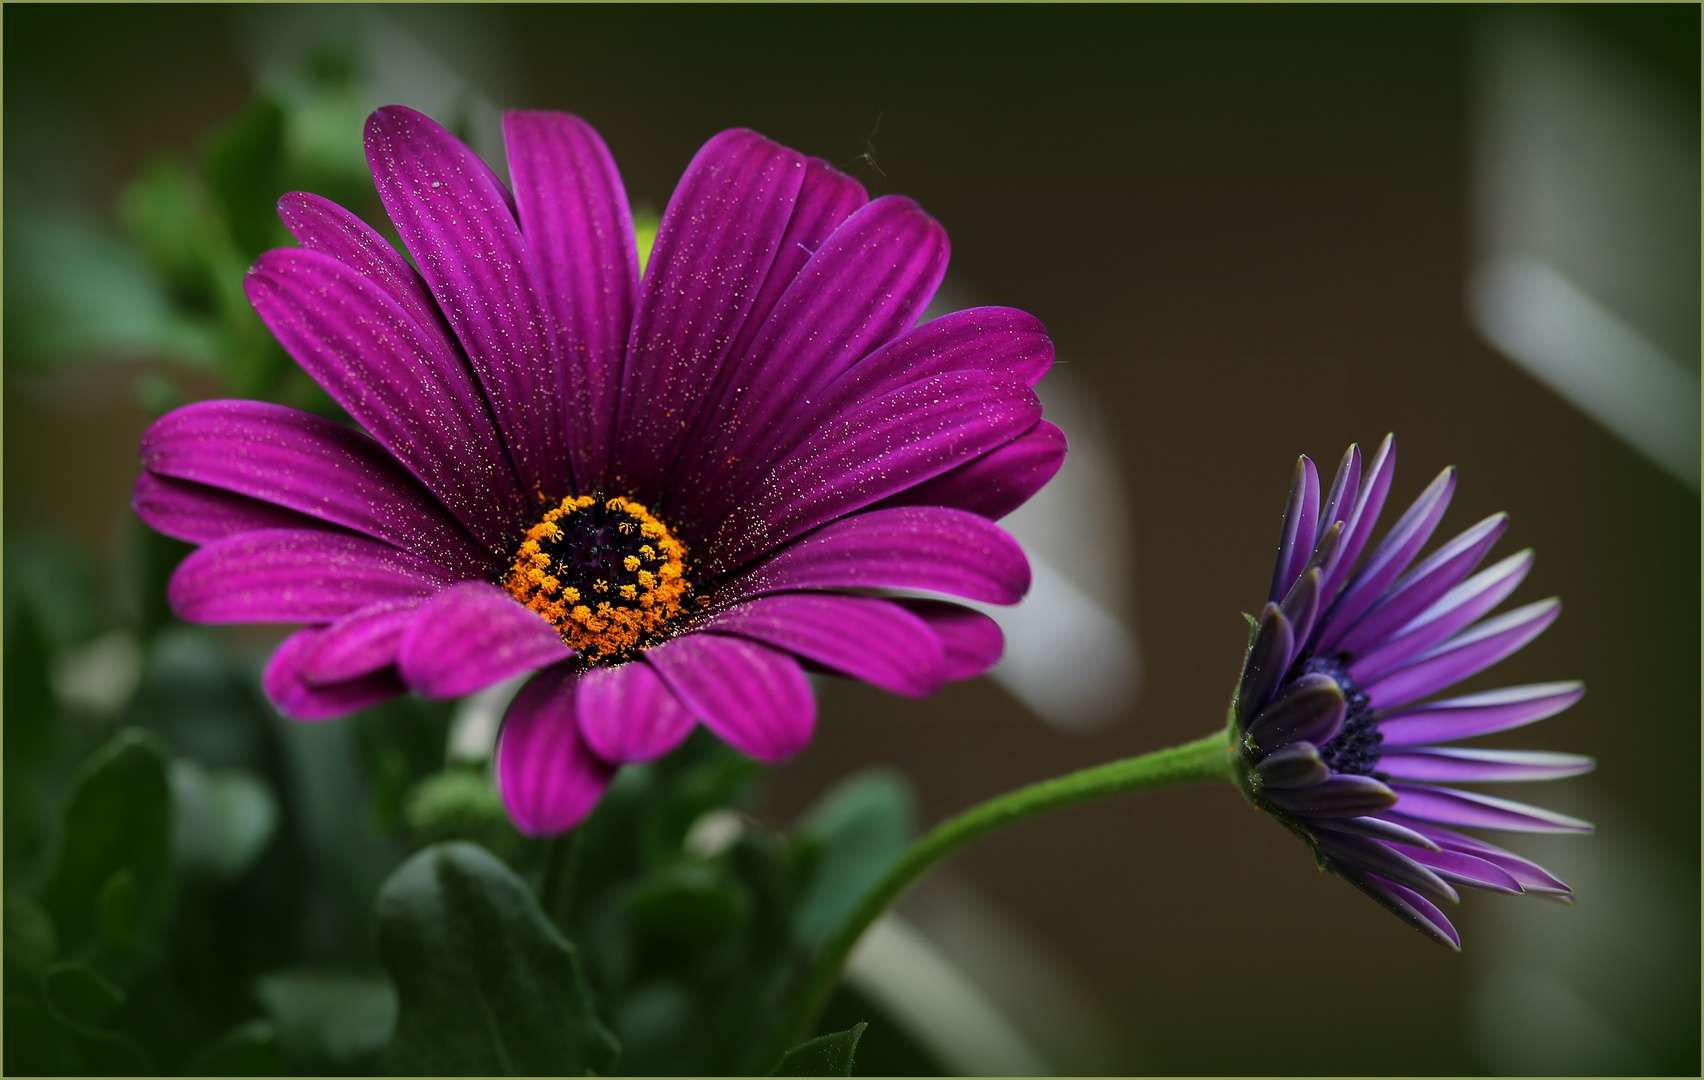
(81, 1000)
(688, 902)
(327, 1021)
(116, 912)
(31, 734)
(221, 819)
(249, 1049)
(245, 165)
(76, 292)
(485, 984)
(116, 818)
(36, 1044)
(825, 1055)
(857, 830)
(462, 804)
(31, 944)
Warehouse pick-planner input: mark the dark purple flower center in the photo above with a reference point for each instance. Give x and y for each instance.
(1355, 747)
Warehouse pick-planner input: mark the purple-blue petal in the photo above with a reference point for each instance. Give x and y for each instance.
(1423, 586)
(1389, 559)
(1477, 714)
(1451, 765)
(1468, 653)
(1297, 531)
(1364, 514)
(1446, 806)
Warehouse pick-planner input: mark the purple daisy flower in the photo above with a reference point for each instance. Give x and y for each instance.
(1334, 737)
(664, 494)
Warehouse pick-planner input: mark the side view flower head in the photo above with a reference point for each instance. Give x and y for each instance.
(664, 494)
(1333, 733)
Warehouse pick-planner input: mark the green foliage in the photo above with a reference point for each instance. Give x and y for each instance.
(825, 1055)
(485, 985)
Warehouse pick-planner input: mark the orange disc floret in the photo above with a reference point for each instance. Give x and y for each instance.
(606, 573)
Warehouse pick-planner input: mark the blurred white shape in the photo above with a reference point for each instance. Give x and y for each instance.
(714, 832)
(100, 676)
(920, 989)
(1586, 191)
(474, 726)
(1020, 974)
(1555, 330)
(1071, 655)
(1607, 986)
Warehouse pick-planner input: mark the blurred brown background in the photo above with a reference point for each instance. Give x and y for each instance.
(1249, 231)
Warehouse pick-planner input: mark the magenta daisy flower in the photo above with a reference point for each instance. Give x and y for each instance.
(1337, 739)
(666, 495)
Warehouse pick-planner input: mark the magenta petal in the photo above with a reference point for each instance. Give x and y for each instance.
(870, 279)
(874, 640)
(549, 779)
(200, 514)
(313, 465)
(971, 642)
(752, 697)
(1477, 714)
(1468, 653)
(996, 483)
(858, 459)
(628, 716)
(361, 642)
(471, 636)
(1446, 806)
(1451, 765)
(322, 225)
(715, 246)
(299, 699)
(931, 549)
(455, 219)
(575, 218)
(287, 575)
(394, 379)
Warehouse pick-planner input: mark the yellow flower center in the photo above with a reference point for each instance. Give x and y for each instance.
(606, 573)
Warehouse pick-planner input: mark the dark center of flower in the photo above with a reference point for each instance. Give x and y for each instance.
(605, 572)
(1355, 747)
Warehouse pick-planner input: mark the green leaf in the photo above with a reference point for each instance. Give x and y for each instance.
(36, 1044)
(688, 902)
(30, 941)
(80, 999)
(117, 818)
(222, 819)
(857, 831)
(245, 166)
(116, 911)
(485, 984)
(461, 804)
(249, 1049)
(825, 1055)
(326, 1021)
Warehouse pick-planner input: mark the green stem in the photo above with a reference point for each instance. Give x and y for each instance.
(1205, 759)
(556, 889)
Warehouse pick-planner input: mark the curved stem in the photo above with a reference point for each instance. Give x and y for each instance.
(1203, 760)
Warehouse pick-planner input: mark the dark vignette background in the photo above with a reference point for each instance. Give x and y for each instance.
(1247, 230)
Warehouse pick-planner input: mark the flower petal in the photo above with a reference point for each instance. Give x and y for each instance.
(547, 776)
(290, 575)
(971, 642)
(1264, 667)
(471, 636)
(1477, 714)
(1531, 876)
(575, 218)
(419, 402)
(1405, 903)
(1446, 806)
(996, 483)
(1450, 765)
(752, 697)
(309, 464)
(454, 217)
(1364, 516)
(1469, 870)
(1468, 653)
(1456, 609)
(628, 716)
(715, 245)
(876, 641)
(867, 282)
(1418, 590)
(1296, 765)
(859, 459)
(1297, 531)
(1311, 709)
(1339, 797)
(299, 699)
(932, 549)
(1340, 503)
(361, 642)
(1382, 859)
(322, 225)
(1389, 559)
(200, 514)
